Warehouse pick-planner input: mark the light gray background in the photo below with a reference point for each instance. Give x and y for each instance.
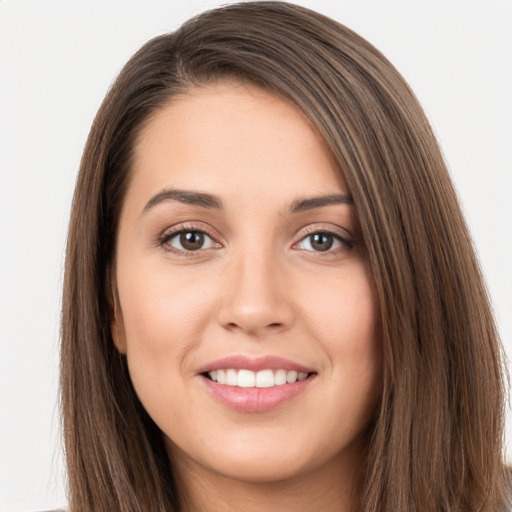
(57, 60)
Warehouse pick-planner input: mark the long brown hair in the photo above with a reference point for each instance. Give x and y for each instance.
(436, 441)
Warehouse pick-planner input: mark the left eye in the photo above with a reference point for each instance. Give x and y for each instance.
(190, 241)
(320, 242)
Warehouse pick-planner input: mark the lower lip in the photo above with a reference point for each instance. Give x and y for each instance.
(255, 399)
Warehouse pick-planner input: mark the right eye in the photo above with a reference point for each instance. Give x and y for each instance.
(188, 241)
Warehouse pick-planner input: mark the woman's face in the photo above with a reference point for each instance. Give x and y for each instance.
(239, 260)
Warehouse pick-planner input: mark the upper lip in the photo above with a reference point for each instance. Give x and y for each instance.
(240, 362)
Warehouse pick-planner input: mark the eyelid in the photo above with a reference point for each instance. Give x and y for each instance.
(339, 233)
(169, 233)
(330, 229)
(346, 240)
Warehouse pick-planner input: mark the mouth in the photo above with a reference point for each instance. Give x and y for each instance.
(267, 378)
(256, 384)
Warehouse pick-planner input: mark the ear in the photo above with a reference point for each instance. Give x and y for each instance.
(116, 316)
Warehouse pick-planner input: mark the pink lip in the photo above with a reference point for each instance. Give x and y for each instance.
(255, 364)
(255, 399)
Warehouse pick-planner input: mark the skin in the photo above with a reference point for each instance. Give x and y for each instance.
(256, 287)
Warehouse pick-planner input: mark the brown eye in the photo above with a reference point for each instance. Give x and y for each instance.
(192, 240)
(188, 241)
(321, 241)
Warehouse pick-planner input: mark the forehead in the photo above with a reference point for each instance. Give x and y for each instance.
(233, 138)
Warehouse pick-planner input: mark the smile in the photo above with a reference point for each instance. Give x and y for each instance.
(244, 378)
(255, 384)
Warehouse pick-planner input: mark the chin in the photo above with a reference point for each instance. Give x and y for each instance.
(279, 457)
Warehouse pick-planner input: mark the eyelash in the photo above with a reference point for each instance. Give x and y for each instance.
(180, 230)
(168, 236)
(345, 242)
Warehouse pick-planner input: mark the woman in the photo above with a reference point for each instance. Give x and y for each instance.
(271, 298)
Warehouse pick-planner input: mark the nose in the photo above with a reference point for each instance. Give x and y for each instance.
(256, 297)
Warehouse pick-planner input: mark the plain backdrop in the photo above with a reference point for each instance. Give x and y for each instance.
(57, 60)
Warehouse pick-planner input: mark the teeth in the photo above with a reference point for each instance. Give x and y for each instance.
(246, 379)
(261, 379)
(231, 377)
(280, 377)
(265, 379)
(291, 376)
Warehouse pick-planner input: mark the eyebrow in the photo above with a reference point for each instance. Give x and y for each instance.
(210, 201)
(201, 199)
(309, 203)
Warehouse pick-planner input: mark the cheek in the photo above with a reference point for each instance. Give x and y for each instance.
(163, 318)
(341, 315)
(161, 310)
(342, 311)
(162, 321)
